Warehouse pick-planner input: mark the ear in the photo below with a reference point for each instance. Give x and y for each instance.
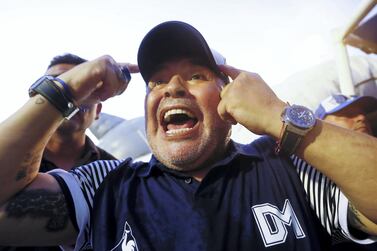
(98, 110)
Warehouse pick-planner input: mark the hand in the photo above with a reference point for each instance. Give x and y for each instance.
(248, 100)
(97, 80)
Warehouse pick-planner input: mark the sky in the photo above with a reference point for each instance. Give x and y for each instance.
(274, 38)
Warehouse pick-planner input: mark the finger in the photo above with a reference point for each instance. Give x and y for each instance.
(126, 75)
(224, 90)
(121, 76)
(123, 84)
(230, 71)
(224, 115)
(116, 81)
(133, 68)
(122, 89)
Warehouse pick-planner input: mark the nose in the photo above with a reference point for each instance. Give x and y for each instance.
(176, 88)
(363, 120)
(361, 117)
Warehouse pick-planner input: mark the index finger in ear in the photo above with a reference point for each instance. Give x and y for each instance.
(230, 71)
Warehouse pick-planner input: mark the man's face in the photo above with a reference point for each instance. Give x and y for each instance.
(87, 114)
(183, 127)
(351, 117)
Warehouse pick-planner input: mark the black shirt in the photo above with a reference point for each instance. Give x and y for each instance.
(252, 199)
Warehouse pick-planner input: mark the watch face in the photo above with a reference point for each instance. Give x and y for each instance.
(300, 116)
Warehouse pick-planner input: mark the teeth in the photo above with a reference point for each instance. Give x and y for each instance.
(177, 131)
(168, 114)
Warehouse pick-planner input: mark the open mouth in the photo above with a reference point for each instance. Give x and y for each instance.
(178, 121)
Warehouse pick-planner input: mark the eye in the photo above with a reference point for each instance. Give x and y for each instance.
(153, 84)
(198, 76)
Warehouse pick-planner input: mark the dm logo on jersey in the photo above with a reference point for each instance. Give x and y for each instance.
(272, 223)
(128, 241)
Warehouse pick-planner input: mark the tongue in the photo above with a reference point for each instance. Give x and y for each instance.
(189, 123)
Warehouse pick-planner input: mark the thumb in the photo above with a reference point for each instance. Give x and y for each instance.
(230, 71)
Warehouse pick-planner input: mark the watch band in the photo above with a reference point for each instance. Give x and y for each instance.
(289, 141)
(46, 87)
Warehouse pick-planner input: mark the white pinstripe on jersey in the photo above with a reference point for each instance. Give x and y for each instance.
(323, 196)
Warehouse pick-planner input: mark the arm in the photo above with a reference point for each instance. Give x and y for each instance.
(48, 212)
(39, 215)
(333, 210)
(24, 136)
(346, 157)
(350, 161)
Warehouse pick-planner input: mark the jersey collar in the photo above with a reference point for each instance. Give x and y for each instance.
(235, 150)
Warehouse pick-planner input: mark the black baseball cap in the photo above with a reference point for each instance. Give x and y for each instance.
(172, 40)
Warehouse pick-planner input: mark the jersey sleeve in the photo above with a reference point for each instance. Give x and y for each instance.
(80, 184)
(328, 202)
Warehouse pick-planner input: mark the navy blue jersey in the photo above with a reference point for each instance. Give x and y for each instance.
(250, 200)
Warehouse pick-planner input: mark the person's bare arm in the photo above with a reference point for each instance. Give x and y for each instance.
(348, 158)
(38, 215)
(23, 138)
(25, 134)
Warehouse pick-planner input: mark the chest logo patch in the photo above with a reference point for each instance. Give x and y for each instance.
(272, 223)
(128, 241)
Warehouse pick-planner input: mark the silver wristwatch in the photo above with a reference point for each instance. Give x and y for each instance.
(298, 121)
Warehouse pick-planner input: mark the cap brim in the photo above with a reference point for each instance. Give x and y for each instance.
(366, 103)
(173, 40)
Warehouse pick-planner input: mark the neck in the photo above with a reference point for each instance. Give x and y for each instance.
(200, 173)
(65, 150)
